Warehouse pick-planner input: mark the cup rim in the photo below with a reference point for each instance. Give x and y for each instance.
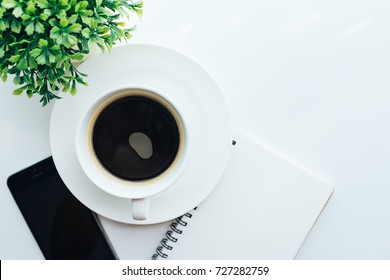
(109, 182)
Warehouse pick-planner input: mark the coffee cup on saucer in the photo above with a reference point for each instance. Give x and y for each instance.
(198, 106)
(131, 143)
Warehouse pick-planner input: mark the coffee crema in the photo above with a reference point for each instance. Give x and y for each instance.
(136, 135)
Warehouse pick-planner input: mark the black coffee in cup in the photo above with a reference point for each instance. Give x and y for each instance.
(136, 136)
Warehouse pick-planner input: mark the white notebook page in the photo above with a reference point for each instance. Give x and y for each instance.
(263, 208)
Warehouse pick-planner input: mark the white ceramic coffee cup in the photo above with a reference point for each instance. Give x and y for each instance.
(138, 192)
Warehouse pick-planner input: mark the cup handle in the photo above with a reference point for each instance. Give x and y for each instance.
(140, 208)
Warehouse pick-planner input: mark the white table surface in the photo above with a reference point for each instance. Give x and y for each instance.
(311, 79)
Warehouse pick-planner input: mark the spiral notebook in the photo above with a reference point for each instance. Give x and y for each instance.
(263, 208)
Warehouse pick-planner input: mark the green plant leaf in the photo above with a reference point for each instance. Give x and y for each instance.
(30, 28)
(43, 4)
(41, 59)
(32, 63)
(74, 28)
(55, 32)
(86, 32)
(2, 51)
(52, 58)
(16, 80)
(81, 81)
(16, 26)
(48, 12)
(63, 22)
(43, 16)
(31, 9)
(81, 6)
(4, 75)
(17, 12)
(72, 19)
(70, 41)
(15, 58)
(18, 91)
(73, 89)
(25, 17)
(3, 25)
(66, 87)
(77, 56)
(42, 43)
(8, 4)
(35, 52)
(39, 27)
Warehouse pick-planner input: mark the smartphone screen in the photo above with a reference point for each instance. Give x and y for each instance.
(62, 226)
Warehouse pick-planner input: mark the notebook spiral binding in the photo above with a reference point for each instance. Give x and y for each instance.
(172, 235)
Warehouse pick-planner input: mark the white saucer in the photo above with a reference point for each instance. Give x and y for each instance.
(198, 96)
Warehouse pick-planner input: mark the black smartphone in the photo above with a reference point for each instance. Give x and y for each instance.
(62, 226)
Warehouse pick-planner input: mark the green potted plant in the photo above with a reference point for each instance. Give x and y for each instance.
(41, 41)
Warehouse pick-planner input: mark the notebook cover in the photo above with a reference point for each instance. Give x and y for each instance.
(263, 208)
